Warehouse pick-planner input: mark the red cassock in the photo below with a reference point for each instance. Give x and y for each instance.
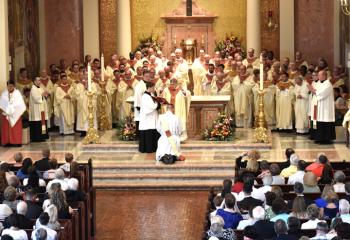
(10, 135)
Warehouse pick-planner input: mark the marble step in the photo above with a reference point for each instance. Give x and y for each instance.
(176, 185)
(178, 176)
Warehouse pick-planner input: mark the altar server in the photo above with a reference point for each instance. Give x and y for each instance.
(148, 121)
(38, 112)
(140, 88)
(12, 107)
(325, 124)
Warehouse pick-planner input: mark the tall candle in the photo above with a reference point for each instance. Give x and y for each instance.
(261, 74)
(89, 77)
(102, 68)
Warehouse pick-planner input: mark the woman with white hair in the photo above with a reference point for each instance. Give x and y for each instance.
(339, 179)
(344, 209)
(293, 168)
(255, 214)
(217, 229)
(58, 179)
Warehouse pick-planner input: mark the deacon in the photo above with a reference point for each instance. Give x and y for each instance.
(82, 104)
(148, 121)
(47, 86)
(125, 90)
(242, 86)
(181, 99)
(301, 105)
(38, 113)
(169, 128)
(284, 103)
(325, 124)
(12, 107)
(65, 94)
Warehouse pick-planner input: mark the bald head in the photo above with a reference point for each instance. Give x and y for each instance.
(322, 75)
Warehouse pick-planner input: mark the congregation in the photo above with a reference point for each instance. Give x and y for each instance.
(282, 200)
(38, 196)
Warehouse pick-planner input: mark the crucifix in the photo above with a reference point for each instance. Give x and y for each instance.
(188, 7)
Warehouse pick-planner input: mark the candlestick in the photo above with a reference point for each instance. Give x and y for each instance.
(102, 68)
(261, 74)
(89, 77)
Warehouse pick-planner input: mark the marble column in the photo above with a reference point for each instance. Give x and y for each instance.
(4, 45)
(91, 28)
(253, 25)
(124, 28)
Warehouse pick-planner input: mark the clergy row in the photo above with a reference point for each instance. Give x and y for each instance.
(63, 90)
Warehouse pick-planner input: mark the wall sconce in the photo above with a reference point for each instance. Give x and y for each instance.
(344, 4)
(271, 25)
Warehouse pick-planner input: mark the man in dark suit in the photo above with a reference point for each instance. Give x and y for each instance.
(23, 222)
(34, 208)
(43, 164)
(265, 228)
(281, 230)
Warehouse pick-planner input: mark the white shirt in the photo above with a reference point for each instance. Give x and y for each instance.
(15, 234)
(51, 234)
(296, 177)
(311, 224)
(319, 237)
(244, 223)
(339, 188)
(259, 193)
(148, 113)
(278, 180)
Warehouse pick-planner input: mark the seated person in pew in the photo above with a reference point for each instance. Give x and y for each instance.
(313, 213)
(279, 207)
(15, 231)
(73, 194)
(34, 207)
(58, 199)
(53, 224)
(18, 158)
(277, 179)
(44, 221)
(299, 174)
(264, 227)
(281, 230)
(60, 178)
(51, 173)
(310, 183)
(328, 203)
(339, 182)
(321, 231)
(23, 221)
(217, 229)
(287, 172)
(230, 216)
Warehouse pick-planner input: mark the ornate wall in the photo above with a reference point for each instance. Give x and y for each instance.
(108, 27)
(314, 29)
(270, 39)
(64, 31)
(145, 17)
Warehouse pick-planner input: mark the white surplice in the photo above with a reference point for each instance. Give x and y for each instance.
(168, 145)
(325, 102)
(140, 88)
(148, 112)
(12, 105)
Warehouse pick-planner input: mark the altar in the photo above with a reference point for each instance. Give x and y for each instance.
(203, 111)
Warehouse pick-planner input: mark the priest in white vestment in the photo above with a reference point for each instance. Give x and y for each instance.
(169, 128)
(284, 103)
(242, 86)
(82, 105)
(181, 69)
(325, 124)
(12, 107)
(207, 80)
(47, 86)
(148, 121)
(301, 92)
(65, 97)
(38, 113)
(198, 70)
(181, 98)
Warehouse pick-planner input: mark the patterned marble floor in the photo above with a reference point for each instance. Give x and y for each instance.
(196, 152)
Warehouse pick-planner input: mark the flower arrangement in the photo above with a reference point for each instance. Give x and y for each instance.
(127, 129)
(221, 130)
(230, 45)
(152, 41)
